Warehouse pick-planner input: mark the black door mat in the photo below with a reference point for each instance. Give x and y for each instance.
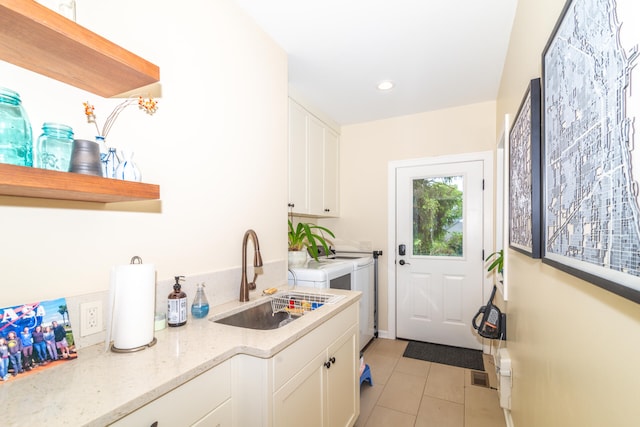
(447, 355)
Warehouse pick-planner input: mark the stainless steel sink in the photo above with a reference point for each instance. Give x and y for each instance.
(279, 310)
(258, 317)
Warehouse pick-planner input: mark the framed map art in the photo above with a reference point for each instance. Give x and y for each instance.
(524, 174)
(591, 215)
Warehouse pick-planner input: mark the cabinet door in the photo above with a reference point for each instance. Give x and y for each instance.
(343, 401)
(298, 154)
(316, 166)
(331, 173)
(301, 401)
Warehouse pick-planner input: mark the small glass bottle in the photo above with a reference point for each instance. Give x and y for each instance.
(53, 150)
(108, 158)
(177, 305)
(200, 306)
(16, 143)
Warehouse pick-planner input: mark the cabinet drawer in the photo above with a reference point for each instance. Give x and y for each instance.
(293, 358)
(222, 416)
(186, 404)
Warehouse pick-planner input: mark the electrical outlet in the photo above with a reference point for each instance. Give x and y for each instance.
(90, 318)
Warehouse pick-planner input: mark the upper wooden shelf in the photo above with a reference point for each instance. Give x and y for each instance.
(33, 182)
(38, 39)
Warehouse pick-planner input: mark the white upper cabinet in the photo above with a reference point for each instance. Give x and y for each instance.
(313, 164)
(298, 155)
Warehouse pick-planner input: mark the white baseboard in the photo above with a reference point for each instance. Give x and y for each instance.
(386, 335)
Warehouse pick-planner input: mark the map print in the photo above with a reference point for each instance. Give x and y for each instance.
(591, 195)
(521, 186)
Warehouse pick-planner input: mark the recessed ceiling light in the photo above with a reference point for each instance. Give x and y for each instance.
(385, 85)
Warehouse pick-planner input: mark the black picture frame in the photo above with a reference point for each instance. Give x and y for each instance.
(524, 174)
(591, 218)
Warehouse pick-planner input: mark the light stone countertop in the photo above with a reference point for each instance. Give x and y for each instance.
(100, 387)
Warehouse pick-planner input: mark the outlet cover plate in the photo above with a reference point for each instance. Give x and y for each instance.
(90, 318)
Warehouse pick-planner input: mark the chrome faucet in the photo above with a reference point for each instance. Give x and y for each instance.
(257, 262)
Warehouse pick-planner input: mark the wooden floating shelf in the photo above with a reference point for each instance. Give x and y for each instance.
(38, 39)
(23, 181)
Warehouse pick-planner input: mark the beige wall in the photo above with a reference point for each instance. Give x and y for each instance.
(365, 152)
(574, 346)
(217, 147)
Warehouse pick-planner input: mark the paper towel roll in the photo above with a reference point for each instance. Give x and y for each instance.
(132, 306)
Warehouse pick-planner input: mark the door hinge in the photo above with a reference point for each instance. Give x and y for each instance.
(483, 254)
(483, 184)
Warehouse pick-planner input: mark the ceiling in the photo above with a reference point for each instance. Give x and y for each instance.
(439, 53)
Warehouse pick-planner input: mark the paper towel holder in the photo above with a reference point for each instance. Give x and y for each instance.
(112, 347)
(132, 350)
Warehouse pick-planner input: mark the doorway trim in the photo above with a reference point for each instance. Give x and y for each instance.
(487, 229)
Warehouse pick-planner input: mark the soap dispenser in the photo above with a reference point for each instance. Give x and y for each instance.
(177, 310)
(200, 306)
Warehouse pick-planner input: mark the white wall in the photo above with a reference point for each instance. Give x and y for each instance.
(574, 346)
(216, 147)
(365, 152)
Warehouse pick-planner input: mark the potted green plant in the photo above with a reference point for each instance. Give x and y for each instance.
(497, 261)
(305, 237)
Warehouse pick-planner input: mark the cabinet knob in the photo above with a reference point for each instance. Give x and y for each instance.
(291, 205)
(327, 210)
(154, 424)
(331, 360)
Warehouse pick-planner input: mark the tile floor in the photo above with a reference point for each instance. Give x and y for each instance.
(409, 392)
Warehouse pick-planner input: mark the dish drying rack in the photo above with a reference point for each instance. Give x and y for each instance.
(298, 303)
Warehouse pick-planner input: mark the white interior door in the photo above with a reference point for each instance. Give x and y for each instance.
(439, 220)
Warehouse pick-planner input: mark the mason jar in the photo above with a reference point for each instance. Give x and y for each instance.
(16, 143)
(53, 150)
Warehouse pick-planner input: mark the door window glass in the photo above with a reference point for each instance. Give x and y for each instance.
(438, 216)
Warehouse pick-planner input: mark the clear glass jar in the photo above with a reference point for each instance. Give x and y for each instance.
(16, 143)
(54, 147)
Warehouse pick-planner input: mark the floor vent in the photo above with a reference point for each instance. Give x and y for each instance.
(480, 379)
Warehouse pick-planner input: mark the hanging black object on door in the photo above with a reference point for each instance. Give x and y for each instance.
(494, 323)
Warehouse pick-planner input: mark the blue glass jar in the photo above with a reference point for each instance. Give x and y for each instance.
(16, 143)
(53, 150)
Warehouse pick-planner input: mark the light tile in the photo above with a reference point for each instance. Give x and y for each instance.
(381, 367)
(448, 398)
(482, 408)
(403, 393)
(390, 348)
(369, 396)
(385, 417)
(410, 366)
(439, 413)
(446, 382)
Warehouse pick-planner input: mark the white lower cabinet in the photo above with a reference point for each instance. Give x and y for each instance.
(204, 401)
(222, 416)
(322, 394)
(312, 382)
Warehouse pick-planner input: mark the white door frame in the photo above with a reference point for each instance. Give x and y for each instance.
(488, 220)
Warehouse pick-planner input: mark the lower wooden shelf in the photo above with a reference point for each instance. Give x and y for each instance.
(23, 181)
